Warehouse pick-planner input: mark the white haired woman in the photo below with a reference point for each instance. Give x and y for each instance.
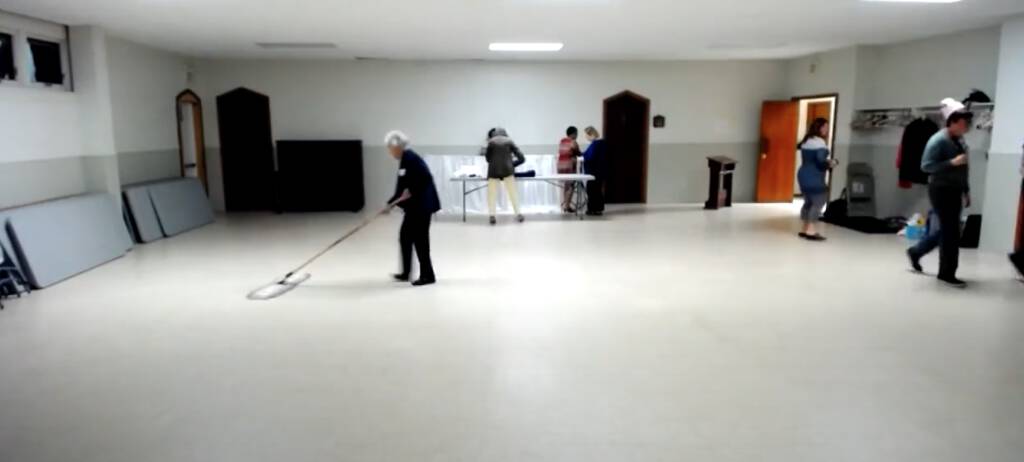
(416, 195)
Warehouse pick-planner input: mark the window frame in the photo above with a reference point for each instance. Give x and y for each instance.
(62, 55)
(21, 28)
(14, 57)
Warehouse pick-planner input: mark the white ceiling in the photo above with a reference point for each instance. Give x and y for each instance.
(461, 29)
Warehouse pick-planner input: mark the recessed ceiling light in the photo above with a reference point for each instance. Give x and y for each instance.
(912, 1)
(296, 45)
(526, 46)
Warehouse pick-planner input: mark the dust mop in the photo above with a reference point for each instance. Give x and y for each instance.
(293, 278)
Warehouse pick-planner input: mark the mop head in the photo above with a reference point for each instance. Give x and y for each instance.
(278, 288)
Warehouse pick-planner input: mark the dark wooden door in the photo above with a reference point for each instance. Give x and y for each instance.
(246, 150)
(776, 169)
(626, 125)
(1020, 220)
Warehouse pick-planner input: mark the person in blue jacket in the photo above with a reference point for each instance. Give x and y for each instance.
(594, 164)
(815, 163)
(416, 194)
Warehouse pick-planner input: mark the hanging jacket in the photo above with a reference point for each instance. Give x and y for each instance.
(814, 163)
(502, 154)
(915, 137)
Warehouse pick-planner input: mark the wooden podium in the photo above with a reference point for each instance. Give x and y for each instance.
(720, 183)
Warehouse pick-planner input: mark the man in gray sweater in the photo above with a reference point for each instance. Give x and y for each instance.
(945, 159)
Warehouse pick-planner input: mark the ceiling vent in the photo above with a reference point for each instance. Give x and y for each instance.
(297, 45)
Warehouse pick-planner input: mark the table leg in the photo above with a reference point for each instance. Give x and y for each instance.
(463, 201)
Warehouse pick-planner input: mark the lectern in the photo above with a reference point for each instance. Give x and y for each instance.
(720, 183)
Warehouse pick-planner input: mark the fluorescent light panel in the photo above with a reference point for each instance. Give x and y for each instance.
(912, 1)
(526, 46)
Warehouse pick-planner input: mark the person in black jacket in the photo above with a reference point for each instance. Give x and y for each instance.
(416, 195)
(594, 163)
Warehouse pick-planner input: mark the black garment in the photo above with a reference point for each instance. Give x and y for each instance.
(7, 69)
(915, 137)
(595, 195)
(948, 204)
(415, 232)
(413, 175)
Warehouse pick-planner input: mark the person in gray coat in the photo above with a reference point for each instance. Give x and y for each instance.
(503, 156)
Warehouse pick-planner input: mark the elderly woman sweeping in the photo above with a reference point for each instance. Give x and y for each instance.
(416, 195)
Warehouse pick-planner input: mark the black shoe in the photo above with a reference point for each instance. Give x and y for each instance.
(520, 218)
(952, 281)
(915, 262)
(494, 221)
(424, 282)
(400, 277)
(815, 237)
(1018, 262)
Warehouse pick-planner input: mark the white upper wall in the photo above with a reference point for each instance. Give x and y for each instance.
(455, 103)
(923, 72)
(1008, 133)
(826, 73)
(143, 85)
(38, 124)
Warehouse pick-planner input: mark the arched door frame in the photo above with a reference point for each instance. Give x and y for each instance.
(190, 97)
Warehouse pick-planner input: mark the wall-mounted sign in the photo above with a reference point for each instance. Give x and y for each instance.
(659, 121)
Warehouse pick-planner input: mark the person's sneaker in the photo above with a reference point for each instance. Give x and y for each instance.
(815, 238)
(803, 235)
(424, 282)
(400, 277)
(953, 282)
(915, 262)
(493, 221)
(520, 218)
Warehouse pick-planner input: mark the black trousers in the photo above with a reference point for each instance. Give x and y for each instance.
(595, 195)
(415, 232)
(947, 202)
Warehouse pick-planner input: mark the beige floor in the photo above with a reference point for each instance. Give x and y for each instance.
(668, 335)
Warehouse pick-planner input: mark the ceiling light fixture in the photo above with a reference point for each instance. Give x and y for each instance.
(526, 46)
(911, 1)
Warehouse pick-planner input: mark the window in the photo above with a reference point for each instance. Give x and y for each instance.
(7, 69)
(46, 59)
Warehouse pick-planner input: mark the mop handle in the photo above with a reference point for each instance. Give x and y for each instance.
(346, 236)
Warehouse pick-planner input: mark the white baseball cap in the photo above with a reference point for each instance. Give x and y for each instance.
(949, 106)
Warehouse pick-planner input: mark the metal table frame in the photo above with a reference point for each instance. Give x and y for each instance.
(579, 188)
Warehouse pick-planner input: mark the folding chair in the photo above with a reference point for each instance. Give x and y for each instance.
(12, 281)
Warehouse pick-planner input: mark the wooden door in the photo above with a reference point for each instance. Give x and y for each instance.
(247, 150)
(776, 168)
(626, 117)
(1020, 220)
(191, 141)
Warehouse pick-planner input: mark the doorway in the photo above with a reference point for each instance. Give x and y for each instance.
(783, 123)
(811, 108)
(626, 132)
(191, 143)
(246, 150)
